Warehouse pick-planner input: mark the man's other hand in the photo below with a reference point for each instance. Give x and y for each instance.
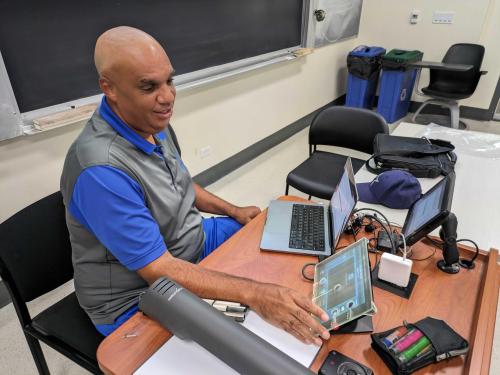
(244, 214)
(291, 311)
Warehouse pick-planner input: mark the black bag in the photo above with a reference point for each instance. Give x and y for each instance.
(421, 157)
(364, 67)
(442, 342)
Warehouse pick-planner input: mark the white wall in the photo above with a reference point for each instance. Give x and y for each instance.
(228, 116)
(386, 23)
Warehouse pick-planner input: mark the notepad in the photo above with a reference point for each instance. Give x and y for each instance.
(178, 356)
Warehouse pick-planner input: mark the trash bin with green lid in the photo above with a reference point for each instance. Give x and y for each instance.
(396, 86)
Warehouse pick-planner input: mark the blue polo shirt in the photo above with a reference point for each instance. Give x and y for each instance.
(111, 205)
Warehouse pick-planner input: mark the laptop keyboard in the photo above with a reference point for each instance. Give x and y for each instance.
(307, 229)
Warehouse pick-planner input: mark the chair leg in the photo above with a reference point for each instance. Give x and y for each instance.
(37, 353)
(309, 198)
(286, 189)
(455, 115)
(417, 112)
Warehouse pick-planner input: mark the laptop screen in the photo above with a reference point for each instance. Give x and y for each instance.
(342, 203)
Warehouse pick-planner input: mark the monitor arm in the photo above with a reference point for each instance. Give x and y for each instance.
(448, 234)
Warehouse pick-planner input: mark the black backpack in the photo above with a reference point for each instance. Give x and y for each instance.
(421, 157)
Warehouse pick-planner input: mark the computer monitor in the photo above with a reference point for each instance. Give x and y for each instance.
(342, 203)
(430, 211)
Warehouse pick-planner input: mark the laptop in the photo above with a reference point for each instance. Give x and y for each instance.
(310, 228)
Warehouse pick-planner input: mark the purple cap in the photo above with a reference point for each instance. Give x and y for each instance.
(393, 189)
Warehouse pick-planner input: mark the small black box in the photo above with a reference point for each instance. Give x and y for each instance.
(337, 363)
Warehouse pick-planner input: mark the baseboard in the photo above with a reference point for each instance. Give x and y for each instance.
(232, 163)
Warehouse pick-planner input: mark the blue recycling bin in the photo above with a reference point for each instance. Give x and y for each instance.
(396, 86)
(363, 64)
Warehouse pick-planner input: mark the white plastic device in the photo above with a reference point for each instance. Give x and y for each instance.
(395, 269)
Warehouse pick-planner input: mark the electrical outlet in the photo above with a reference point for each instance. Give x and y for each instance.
(414, 16)
(443, 17)
(204, 152)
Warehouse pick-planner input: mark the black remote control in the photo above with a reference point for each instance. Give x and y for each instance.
(338, 364)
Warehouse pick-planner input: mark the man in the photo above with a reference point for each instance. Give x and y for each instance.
(132, 208)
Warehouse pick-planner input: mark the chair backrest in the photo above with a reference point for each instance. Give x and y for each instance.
(348, 127)
(35, 250)
(461, 82)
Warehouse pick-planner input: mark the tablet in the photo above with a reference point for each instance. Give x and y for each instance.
(342, 285)
(430, 211)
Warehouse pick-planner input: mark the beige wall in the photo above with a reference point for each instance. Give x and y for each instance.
(386, 23)
(235, 113)
(228, 116)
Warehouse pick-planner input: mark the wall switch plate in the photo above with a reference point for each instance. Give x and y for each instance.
(204, 152)
(443, 17)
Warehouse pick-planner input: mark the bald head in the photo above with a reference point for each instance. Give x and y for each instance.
(136, 77)
(122, 46)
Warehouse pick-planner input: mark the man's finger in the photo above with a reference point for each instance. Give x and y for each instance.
(311, 324)
(310, 307)
(291, 330)
(305, 331)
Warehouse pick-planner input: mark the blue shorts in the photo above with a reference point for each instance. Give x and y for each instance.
(217, 230)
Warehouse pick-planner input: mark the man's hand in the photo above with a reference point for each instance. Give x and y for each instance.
(207, 202)
(291, 311)
(244, 214)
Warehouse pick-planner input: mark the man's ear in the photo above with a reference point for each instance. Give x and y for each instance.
(107, 87)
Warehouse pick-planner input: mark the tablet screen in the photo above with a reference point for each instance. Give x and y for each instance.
(342, 285)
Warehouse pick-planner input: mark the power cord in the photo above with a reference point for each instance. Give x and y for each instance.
(464, 263)
(468, 263)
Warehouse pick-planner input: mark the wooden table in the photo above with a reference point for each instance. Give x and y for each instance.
(467, 301)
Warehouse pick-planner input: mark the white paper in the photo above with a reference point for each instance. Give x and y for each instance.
(177, 356)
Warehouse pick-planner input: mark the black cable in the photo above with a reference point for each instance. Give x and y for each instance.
(303, 271)
(427, 257)
(371, 217)
(436, 243)
(375, 218)
(393, 247)
(468, 263)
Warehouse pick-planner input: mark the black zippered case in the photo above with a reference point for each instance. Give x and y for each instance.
(421, 157)
(445, 343)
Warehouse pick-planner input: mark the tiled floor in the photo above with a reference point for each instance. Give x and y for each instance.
(243, 187)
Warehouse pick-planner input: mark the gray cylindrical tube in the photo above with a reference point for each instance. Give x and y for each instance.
(190, 318)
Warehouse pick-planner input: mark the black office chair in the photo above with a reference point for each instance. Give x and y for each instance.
(446, 86)
(352, 128)
(35, 258)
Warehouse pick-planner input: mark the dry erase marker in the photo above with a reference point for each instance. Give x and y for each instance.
(395, 336)
(239, 317)
(220, 307)
(407, 341)
(415, 349)
(424, 353)
(410, 331)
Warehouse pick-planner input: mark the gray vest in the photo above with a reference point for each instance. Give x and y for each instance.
(105, 288)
